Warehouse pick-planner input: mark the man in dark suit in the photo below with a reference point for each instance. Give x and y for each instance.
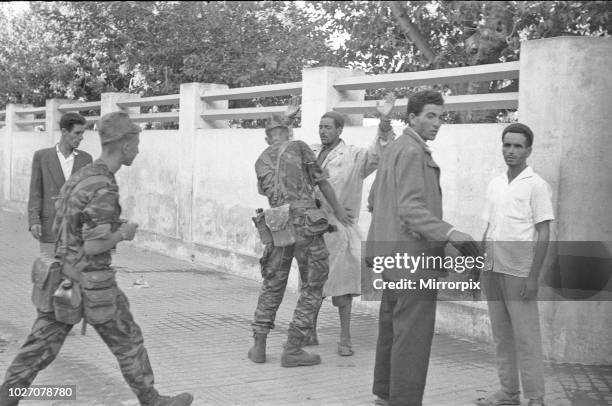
(51, 167)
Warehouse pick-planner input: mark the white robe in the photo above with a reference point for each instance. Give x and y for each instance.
(347, 166)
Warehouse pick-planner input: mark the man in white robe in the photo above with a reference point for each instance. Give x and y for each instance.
(347, 166)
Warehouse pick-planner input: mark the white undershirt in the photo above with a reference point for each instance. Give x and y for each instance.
(66, 163)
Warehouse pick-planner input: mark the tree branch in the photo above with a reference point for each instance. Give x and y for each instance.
(412, 31)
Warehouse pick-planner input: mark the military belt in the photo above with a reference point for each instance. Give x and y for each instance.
(303, 204)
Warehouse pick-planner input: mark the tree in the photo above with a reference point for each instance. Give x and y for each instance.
(80, 49)
(386, 37)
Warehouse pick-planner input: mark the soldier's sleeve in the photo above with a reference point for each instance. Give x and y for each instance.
(99, 214)
(309, 160)
(265, 175)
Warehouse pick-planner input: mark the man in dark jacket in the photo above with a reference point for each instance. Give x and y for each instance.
(51, 168)
(407, 218)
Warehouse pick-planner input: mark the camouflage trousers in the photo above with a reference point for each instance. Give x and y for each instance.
(121, 334)
(312, 258)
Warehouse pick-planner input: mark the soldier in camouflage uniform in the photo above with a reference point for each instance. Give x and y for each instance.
(89, 228)
(287, 173)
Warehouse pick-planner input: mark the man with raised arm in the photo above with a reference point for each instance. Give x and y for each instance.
(347, 166)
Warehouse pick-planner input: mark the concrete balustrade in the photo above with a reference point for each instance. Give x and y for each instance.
(478, 73)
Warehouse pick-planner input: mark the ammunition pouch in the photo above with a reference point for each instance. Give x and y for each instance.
(46, 277)
(99, 296)
(264, 232)
(95, 280)
(100, 305)
(278, 221)
(315, 222)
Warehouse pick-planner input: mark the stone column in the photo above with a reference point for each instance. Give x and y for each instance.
(190, 120)
(320, 96)
(53, 117)
(108, 102)
(565, 88)
(9, 129)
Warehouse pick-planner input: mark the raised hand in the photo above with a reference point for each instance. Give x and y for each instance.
(385, 108)
(293, 108)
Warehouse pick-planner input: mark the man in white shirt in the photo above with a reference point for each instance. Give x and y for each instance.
(518, 212)
(51, 167)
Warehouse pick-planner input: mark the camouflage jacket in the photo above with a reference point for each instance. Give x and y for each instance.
(87, 209)
(298, 174)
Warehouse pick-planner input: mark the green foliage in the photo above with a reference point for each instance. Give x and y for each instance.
(80, 49)
(375, 42)
(459, 33)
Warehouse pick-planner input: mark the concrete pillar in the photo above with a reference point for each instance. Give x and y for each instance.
(108, 102)
(199, 106)
(190, 120)
(320, 96)
(53, 116)
(565, 87)
(10, 128)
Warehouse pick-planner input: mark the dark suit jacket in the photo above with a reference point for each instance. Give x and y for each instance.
(45, 183)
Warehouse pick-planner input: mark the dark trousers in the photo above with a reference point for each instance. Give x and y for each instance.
(405, 333)
(121, 334)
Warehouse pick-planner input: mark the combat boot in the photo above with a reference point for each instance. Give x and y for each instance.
(257, 353)
(184, 399)
(296, 357)
(293, 355)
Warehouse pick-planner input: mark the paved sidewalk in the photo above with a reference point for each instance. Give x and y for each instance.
(196, 324)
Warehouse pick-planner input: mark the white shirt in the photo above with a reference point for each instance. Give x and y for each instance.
(66, 163)
(512, 211)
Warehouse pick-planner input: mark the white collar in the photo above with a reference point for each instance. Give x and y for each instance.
(73, 153)
(525, 173)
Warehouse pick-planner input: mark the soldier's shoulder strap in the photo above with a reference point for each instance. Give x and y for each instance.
(277, 183)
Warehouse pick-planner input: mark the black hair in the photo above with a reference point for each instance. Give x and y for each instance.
(521, 129)
(68, 121)
(418, 100)
(337, 117)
